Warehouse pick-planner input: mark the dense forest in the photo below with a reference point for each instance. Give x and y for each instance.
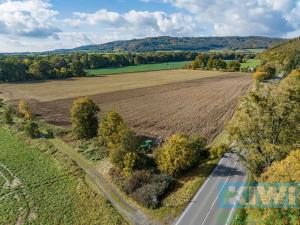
(24, 67)
(183, 44)
(285, 56)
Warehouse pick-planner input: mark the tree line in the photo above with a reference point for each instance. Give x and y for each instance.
(266, 131)
(26, 67)
(217, 61)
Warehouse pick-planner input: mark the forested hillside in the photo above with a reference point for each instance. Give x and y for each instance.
(184, 44)
(285, 56)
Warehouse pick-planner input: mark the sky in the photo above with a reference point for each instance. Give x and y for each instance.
(42, 25)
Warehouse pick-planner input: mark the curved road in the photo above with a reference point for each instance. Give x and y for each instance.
(206, 208)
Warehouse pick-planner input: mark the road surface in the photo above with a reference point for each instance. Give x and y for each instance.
(206, 208)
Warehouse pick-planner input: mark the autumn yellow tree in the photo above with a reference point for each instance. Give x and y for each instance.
(176, 155)
(286, 170)
(24, 109)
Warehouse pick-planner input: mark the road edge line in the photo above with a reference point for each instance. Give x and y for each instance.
(198, 193)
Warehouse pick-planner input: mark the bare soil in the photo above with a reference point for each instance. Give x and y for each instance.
(49, 90)
(193, 107)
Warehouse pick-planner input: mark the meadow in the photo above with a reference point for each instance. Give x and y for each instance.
(139, 68)
(251, 63)
(35, 188)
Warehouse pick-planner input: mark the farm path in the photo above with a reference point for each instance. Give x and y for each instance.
(133, 215)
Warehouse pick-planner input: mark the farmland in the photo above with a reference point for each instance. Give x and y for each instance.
(59, 89)
(138, 68)
(199, 106)
(38, 189)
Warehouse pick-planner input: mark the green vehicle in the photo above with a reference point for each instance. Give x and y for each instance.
(146, 145)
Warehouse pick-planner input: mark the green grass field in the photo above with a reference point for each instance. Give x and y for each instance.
(36, 189)
(139, 68)
(249, 63)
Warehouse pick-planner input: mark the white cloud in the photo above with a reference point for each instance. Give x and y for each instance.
(27, 18)
(137, 21)
(33, 25)
(247, 17)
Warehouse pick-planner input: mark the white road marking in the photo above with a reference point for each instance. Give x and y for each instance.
(198, 193)
(217, 197)
(236, 201)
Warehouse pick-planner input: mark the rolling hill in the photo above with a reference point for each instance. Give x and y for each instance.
(166, 43)
(285, 56)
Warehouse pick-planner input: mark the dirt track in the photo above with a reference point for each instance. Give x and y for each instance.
(193, 107)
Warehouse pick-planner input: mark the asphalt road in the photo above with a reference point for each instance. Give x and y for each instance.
(206, 207)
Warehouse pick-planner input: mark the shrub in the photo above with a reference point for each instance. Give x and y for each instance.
(110, 127)
(127, 143)
(24, 109)
(234, 66)
(147, 195)
(150, 194)
(130, 161)
(164, 181)
(218, 151)
(195, 64)
(32, 129)
(176, 155)
(199, 145)
(84, 115)
(8, 115)
(260, 76)
(136, 180)
(264, 73)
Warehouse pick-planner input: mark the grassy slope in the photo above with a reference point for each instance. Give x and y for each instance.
(281, 54)
(135, 69)
(47, 192)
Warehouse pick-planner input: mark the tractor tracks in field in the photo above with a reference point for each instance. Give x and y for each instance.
(132, 214)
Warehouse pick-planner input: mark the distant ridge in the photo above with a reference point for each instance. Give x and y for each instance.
(166, 43)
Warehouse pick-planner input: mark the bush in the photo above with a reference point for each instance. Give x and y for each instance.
(147, 196)
(111, 128)
(195, 64)
(32, 129)
(84, 115)
(130, 161)
(127, 143)
(151, 194)
(137, 180)
(218, 151)
(176, 155)
(8, 115)
(199, 145)
(264, 73)
(24, 109)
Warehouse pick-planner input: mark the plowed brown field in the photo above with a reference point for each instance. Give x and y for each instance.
(198, 106)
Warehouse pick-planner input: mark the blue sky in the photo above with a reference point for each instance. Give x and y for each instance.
(40, 25)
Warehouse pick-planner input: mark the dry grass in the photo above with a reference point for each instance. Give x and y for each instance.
(58, 89)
